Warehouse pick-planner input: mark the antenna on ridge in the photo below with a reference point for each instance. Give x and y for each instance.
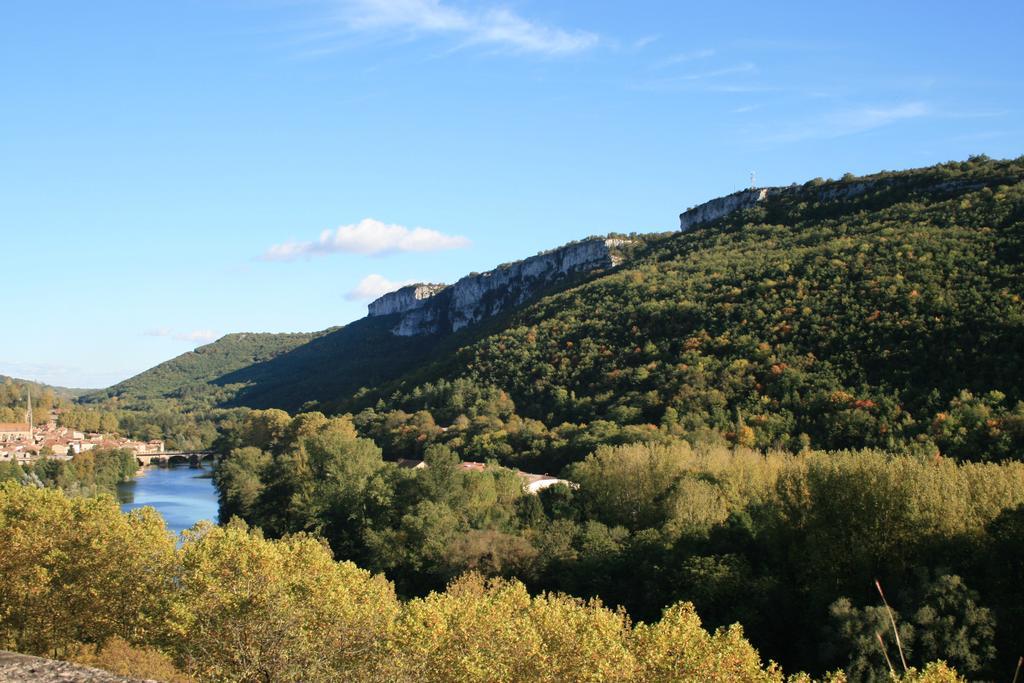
(753, 180)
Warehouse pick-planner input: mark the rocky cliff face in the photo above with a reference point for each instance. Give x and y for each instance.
(430, 309)
(723, 206)
(404, 299)
(826, 192)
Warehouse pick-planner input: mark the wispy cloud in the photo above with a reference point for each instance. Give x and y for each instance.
(708, 79)
(866, 118)
(493, 26)
(373, 286)
(744, 68)
(829, 44)
(368, 236)
(683, 57)
(200, 336)
(641, 43)
(852, 121)
(741, 89)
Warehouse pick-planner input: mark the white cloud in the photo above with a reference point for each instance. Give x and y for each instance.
(490, 26)
(368, 236)
(193, 336)
(373, 286)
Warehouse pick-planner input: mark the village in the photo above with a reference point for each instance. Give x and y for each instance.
(24, 442)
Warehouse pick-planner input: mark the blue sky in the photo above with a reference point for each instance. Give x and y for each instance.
(175, 170)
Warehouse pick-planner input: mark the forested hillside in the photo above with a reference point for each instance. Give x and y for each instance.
(882, 311)
(192, 379)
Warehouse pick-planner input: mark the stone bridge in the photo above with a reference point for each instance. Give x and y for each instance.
(174, 457)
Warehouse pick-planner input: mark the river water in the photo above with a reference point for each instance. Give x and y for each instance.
(182, 494)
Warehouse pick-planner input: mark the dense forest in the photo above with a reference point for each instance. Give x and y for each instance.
(789, 546)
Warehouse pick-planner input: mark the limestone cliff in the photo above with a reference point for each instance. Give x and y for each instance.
(822, 191)
(430, 309)
(404, 299)
(723, 206)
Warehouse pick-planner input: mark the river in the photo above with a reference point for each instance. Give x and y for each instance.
(182, 494)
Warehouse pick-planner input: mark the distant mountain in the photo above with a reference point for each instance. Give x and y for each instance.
(39, 387)
(842, 313)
